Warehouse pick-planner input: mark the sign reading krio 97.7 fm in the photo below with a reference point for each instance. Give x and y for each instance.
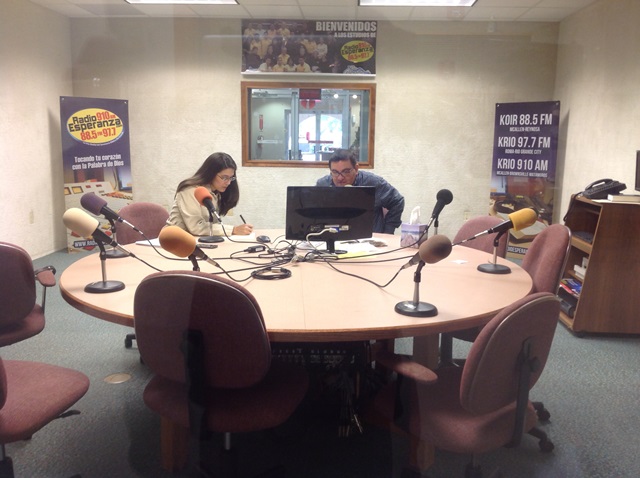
(524, 166)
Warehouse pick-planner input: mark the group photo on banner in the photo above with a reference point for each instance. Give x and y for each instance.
(96, 158)
(307, 46)
(524, 166)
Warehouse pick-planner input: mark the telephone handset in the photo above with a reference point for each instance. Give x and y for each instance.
(602, 187)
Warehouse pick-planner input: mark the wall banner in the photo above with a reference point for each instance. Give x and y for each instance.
(524, 166)
(307, 46)
(95, 156)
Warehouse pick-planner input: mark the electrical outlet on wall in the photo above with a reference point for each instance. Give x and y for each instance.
(31, 217)
(466, 215)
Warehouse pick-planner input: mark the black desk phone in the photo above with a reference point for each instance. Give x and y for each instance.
(602, 187)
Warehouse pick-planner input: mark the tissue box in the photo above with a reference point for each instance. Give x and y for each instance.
(410, 233)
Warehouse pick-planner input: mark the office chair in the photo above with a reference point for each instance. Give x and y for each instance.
(21, 316)
(148, 217)
(205, 340)
(32, 394)
(483, 405)
(469, 229)
(545, 261)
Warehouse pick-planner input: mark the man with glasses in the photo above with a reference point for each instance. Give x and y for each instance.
(389, 203)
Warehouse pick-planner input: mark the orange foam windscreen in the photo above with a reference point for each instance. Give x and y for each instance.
(523, 218)
(201, 193)
(177, 241)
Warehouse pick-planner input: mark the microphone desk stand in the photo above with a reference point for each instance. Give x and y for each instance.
(114, 253)
(494, 267)
(104, 285)
(415, 308)
(210, 238)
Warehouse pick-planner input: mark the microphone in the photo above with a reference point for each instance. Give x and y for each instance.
(205, 198)
(443, 198)
(431, 251)
(98, 206)
(182, 244)
(81, 223)
(517, 220)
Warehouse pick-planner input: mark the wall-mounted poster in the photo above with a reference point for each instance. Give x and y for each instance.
(95, 156)
(307, 46)
(524, 166)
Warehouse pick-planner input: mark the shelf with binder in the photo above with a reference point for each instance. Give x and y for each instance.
(608, 300)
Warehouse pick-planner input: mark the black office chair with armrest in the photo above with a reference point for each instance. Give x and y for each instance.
(21, 316)
(205, 340)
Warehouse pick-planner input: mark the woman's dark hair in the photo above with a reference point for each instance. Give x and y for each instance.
(204, 177)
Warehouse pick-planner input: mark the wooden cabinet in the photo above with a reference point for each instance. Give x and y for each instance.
(610, 298)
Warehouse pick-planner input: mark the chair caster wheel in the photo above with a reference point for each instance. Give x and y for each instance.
(546, 446)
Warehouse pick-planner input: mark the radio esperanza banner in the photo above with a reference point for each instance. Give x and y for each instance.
(307, 46)
(95, 156)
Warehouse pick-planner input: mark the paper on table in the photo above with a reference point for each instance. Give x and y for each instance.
(156, 242)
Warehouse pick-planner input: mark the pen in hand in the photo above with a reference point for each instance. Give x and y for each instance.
(243, 219)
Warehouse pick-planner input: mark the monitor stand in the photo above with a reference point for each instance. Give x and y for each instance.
(331, 248)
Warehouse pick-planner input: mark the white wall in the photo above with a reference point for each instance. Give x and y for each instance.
(597, 82)
(437, 88)
(35, 70)
(434, 114)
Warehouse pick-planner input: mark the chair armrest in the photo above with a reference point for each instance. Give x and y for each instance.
(403, 365)
(45, 275)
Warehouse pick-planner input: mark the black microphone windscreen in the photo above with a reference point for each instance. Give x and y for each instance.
(93, 203)
(435, 249)
(445, 196)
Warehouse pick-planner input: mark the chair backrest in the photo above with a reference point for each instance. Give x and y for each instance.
(236, 345)
(17, 284)
(149, 217)
(476, 225)
(490, 379)
(547, 256)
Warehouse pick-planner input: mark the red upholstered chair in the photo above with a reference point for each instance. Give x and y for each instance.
(484, 405)
(205, 340)
(544, 260)
(148, 217)
(476, 225)
(469, 229)
(32, 394)
(21, 316)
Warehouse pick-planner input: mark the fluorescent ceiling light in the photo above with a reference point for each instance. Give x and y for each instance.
(416, 3)
(183, 2)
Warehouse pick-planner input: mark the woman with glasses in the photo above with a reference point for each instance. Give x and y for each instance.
(218, 175)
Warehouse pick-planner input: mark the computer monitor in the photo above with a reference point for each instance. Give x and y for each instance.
(637, 171)
(313, 209)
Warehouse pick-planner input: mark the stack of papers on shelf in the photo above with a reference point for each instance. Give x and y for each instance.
(624, 198)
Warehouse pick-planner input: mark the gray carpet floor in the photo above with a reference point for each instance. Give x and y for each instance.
(590, 385)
